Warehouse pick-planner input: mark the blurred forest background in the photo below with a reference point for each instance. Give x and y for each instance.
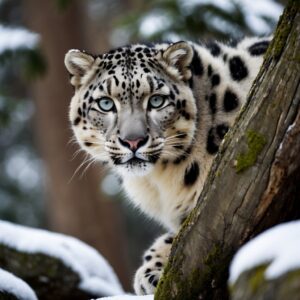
(42, 180)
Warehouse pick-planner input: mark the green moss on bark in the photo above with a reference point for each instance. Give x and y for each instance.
(201, 283)
(283, 29)
(255, 144)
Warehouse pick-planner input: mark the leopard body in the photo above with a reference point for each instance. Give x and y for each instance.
(157, 115)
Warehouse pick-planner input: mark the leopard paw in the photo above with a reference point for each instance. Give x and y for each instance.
(147, 277)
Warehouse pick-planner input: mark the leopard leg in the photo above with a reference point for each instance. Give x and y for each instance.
(155, 259)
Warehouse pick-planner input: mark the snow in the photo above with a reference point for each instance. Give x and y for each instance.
(96, 275)
(291, 127)
(125, 297)
(277, 247)
(15, 38)
(13, 285)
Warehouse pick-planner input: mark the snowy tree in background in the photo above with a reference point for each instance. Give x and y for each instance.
(21, 175)
(198, 20)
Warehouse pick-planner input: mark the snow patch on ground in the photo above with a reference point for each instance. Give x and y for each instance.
(279, 247)
(16, 38)
(97, 276)
(126, 297)
(13, 285)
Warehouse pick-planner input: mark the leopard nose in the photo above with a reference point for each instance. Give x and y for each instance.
(134, 144)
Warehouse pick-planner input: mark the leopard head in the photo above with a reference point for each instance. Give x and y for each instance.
(133, 107)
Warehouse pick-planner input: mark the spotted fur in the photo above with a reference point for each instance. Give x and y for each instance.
(164, 153)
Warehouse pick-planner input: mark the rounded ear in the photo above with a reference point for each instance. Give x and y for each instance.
(77, 64)
(179, 56)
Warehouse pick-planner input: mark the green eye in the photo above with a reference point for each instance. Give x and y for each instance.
(106, 104)
(156, 101)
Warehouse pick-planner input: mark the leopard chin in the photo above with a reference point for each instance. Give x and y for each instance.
(135, 167)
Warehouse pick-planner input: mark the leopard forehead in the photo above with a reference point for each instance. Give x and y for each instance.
(129, 73)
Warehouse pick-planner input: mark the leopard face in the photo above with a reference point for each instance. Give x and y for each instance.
(133, 106)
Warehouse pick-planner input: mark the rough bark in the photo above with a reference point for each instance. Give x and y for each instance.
(47, 276)
(253, 285)
(254, 181)
(75, 207)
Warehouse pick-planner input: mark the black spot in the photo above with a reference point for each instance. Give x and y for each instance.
(123, 85)
(215, 80)
(146, 70)
(158, 264)
(172, 96)
(76, 121)
(151, 278)
(155, 283)
(88, 144)
(191, 174)
(175, 89)
(148, 271)
(222, 130)
(169, 240)
(211, 145)
(225, 57)
(209, 70)
(259, 48)
(178, 104)
(116, 80)
(160, 85)
(186, 115)
(196, 64)
(86, 95)
(212, 103)
(148, 257)
(230, 101)
(238, 70)
(214, 48)
(79, 111)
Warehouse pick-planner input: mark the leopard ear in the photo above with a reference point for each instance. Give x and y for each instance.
(77, 64)
(179, 57)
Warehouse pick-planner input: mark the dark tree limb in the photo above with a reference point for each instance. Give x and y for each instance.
(254, 181)
(48, 276)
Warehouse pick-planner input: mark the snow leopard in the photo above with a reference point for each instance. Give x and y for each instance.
(156, 114)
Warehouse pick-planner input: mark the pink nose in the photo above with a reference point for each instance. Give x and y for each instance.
(133, 144)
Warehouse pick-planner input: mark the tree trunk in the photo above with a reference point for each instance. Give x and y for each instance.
(254, 181)
(75, 206)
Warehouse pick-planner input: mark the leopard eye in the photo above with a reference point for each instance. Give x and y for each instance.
(106, 104)
(156, 101)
